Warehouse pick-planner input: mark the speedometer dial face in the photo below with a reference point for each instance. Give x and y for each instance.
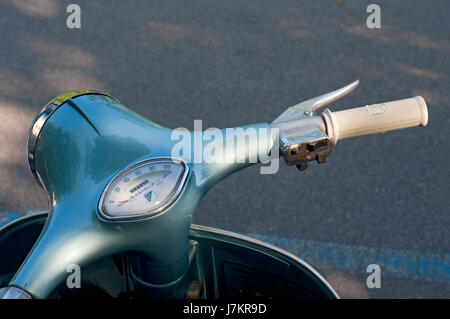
(144, 189)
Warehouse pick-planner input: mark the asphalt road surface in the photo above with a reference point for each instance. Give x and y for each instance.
(381, 199)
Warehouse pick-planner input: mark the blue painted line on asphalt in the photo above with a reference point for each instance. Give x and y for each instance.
(394, 262)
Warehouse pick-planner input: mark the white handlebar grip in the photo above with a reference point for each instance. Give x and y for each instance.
(376, 118)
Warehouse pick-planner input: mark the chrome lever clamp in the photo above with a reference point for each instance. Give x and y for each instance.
(302, 134)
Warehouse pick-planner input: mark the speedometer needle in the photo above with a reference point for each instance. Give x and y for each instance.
(123, 202)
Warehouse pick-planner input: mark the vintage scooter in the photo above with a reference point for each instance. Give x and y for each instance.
(121, 203)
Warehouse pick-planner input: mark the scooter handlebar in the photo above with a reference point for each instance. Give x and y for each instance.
(375, 118)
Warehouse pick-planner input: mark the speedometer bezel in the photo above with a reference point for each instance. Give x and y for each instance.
(159, 209)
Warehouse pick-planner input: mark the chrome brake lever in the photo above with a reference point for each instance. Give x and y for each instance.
(307, 108)
(302, 135)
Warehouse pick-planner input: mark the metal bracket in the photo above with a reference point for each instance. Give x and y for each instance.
(308, 146)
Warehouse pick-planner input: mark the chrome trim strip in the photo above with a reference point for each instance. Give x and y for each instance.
(173, 197)
(33, 135)
(269, 246)
(42, 117)
(12, 292)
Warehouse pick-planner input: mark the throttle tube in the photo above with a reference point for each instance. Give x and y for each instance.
(375, 118)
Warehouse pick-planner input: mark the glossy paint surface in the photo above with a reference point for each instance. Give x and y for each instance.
(86, 142)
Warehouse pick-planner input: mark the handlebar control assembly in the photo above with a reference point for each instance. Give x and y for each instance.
(302, 133)
(305, 136)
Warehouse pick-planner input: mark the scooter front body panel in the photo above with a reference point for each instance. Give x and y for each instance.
(84, 143)
(228, 266)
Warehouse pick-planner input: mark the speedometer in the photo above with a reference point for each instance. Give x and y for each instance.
(144, 189)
